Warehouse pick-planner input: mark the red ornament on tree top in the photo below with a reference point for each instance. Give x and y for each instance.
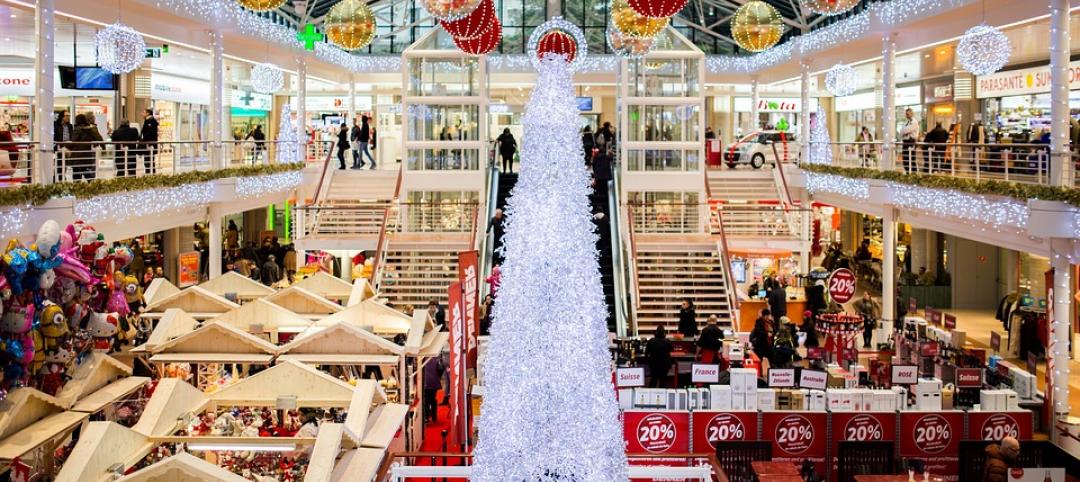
(559, 43)
(483, 44)
(473, 25)
(657, 8)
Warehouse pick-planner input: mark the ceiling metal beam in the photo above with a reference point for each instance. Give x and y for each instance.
(403, 28)
(706, 30)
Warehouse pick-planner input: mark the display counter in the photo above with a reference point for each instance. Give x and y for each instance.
(749, 309)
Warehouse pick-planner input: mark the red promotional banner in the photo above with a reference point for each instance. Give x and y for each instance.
(935, 438)
(994, 426)
(797, 436)
(456, 326)
(656, 431)
(468, 269)
(712, 427)
(861, 427)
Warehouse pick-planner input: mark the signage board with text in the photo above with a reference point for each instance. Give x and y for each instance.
(905, 374)
(782, 377)
(705, 373)
(630, 377)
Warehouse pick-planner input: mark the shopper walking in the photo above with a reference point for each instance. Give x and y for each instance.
(354, 137)
(761, 335)
(82, 159)
(935, 145)
(659, 349)
(270, 272)
(125, 144)
(777, 296)
(496, 228)
(588, 143)
(868, 309)
(909, 134)
(688, 319)
(486, 312)
(864, 143)
(433, 374)
(507, 148)
(149, 134)
(364, 138)
(342, 145)
(259, 137)
(709, 343)
(605, 138)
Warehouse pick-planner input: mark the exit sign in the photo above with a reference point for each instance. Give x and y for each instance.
(153, 53)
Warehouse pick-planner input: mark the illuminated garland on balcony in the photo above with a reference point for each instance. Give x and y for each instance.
(976, 210)
(857, 189)
(12, 221)
(143, 203)
(247, 187)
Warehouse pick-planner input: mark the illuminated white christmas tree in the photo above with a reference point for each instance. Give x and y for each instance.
(549, 412)
(288, 148)
(820, 150)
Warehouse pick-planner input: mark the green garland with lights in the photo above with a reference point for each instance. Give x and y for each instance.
(986, 187)
(38, 194)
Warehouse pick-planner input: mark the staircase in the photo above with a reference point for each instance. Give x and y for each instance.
(669, 274)
(599, 204)
(414, 274)
(361, 186)
(738, 185)
(352, 208)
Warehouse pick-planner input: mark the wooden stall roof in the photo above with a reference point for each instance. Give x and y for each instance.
(312, 388)
(159, 289)
(325, 453)
(326, 285)
(195, 300)
(109, 393)
(272, 317)
(361, 291)
(172, 399)
(434, 342)
(175, 322)
(217, 337)
(38, 433)
(338, 359)
(101, 445)
(417, 329)
(24, 406)
(358, 465)
(373, 316)
(232, 282)
(304, 302)
(182, 467)
(341, 338)
(95, 372)
(250, 359)
(383, 425)
(359, 408)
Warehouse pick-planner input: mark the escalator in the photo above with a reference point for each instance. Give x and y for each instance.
(599, 204)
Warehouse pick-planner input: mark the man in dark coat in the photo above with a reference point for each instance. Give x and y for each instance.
(777, 300)
(271, 273)
(149, 134)
(125, 139)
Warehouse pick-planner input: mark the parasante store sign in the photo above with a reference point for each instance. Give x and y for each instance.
(1035, 80)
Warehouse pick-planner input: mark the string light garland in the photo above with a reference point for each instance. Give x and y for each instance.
(829, 7)
(756, 26)
(128, 205)
(841, 80)
(120, 49)
(836, 34)
(895, 12)
(635, 25)
(857, 189)
(482, 44)
(267, 78)
(477, 23)
(255, 186)
(12, 221)
(983, 50)
(261, 5)
(630, 48)
(449, 10)
(522, 63)
(657, 8)
(978, 211)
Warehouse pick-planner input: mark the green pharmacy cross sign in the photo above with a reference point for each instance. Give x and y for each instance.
(310, 36)
(247, 98)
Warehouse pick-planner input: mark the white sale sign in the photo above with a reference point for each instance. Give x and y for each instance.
(703, 373)
(630, 377)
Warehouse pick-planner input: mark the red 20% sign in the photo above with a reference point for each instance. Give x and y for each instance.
(656, 433)
(794, 434)
(1000, 426)
(932, 433)
(842, 285)
(862, 428)
(724, 427)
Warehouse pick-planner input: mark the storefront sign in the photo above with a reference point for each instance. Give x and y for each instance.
(861, 427)
(242, 99)
(813, 379)
(865, 100)
(656, 431)
(713, 427)
(842, 285)
(782, 377)
(456, 327)
(468, 266)
(630, 377)
(905, 374)
(910, 95)
(935, 91)
(774, 104)
(705, 373)
(1035, 80)
(334, 103)
(188, 273)
(994, 426)
(797, 436)
(935, 438)
(969, 377)
(950, 321)
(179, 89)
(20, 83)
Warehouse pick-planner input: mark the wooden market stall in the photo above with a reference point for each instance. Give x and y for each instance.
(182, 467)
(266, 320)
(235, 284)
(159, 289)
(209, 352)
(103, 387)
(328, 286)
(304, 303)
(361, 291)
(196, 301)
(373, 316)
(33, 425)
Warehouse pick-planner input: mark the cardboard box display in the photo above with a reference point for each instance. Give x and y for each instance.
(720, 397)
(766, 399)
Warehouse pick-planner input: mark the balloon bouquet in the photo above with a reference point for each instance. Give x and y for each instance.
(62, 297)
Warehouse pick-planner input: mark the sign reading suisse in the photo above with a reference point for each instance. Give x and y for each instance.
(630, 377)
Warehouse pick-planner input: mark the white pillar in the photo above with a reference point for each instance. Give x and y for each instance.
(804, 116)
(301, 105)
(888, 103)
(217, 108)
(1060, 167)
(44, 66)
(888, 265)
(214, 226)
(1058, 351)
(352, 99)
(755, 97)
(804, 232)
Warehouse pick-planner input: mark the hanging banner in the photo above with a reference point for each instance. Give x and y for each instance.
(797, 436)
(935, 438)
(188, 274)
(468, 269)
(994, 426)
(656, 431)
(711, 427)
(456, 325)
(861, 427)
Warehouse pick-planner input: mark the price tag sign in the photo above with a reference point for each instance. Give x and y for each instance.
(630, 377)
(705, 373)
(950, 321)
(656, 432)
(813, 379)
(933, 316)
(842, 285)
(782, 377)
(905, 374)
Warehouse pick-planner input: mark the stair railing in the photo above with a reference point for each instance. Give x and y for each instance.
(631, 241)
(781, 183)
(617, 264)
(730, 291)
(325, 178)
(487, 240)
(380, 248)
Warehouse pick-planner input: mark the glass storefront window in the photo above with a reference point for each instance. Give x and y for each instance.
(443, 159)
(443, 122)
(662, 159)
(444, 77)
(664, 123)
(664, 78)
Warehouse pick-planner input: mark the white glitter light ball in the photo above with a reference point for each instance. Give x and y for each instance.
(120, 49)
(267, 78)
(841, 80)
(983, 50)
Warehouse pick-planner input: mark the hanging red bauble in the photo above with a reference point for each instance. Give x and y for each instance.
(657, 8)
(559, 43)
(483, 44)
(473, 25)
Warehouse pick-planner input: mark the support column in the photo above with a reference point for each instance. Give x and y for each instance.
(214, 227)
(1057, 362)
(1060, 166)
(44, 67)
(804, 115)
(804, 232)
(301, 105)
(170, 249)
(218, 157)
(352, 99)
(888, 103)
(755, 97)
(888, 265)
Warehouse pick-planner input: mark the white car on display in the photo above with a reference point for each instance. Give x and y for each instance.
(761, 146)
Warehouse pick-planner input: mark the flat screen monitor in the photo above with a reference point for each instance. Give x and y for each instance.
(584, 104)
(87, 78)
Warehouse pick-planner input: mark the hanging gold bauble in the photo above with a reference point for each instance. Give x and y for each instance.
(350, 25)
(631, 48)
(829, 7)
(757, 26)
(632, 24)
(260, 5)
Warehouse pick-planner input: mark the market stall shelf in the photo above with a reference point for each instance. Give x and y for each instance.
(342, 344)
